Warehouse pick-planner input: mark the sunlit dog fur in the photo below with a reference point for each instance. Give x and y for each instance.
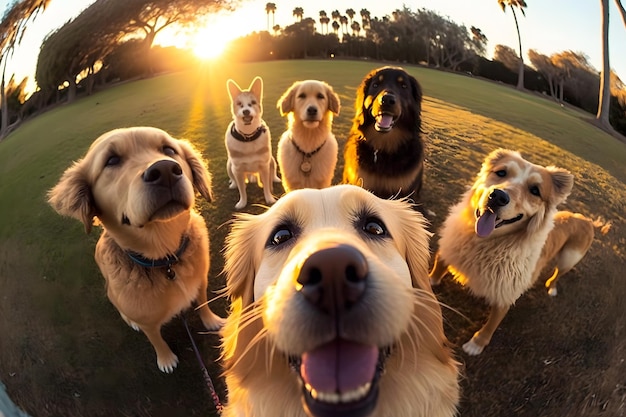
(327, 271)
(505, 230)
(140, 184)
(307, 150)
(250, 147)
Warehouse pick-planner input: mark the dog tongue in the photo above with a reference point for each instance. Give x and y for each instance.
(384, 121)
(339, 366)
(485, 224)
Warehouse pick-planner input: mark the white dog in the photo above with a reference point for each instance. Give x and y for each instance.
(248, 143)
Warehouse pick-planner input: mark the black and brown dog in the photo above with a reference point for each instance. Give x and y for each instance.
(384, 152)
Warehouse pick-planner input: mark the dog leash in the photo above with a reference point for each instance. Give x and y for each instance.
(207, 378)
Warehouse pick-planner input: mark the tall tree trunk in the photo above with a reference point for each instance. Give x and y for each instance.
(520, 73)
(605, 76)
(621, 10)
(3, 103)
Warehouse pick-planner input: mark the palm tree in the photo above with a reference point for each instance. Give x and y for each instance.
(298, 12)
(521, 4)
(365, 18)
(276, 29)
(356, 28)
(604, 101)
(335, 26)
(324, 20)
(12, 29)
(335, 15)
(344, 24)
(350, 13)
(270, 8)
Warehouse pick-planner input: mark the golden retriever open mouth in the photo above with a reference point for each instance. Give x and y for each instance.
(332, 310)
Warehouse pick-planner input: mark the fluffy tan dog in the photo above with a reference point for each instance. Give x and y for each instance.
(505, 230)
(140, 184)
(332, 312)
(249, 143)
(307, 150)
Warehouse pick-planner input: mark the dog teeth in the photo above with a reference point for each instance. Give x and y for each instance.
(339, 397)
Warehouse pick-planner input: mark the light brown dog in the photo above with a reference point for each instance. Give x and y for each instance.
(332, 312)
(249, 143)
(505, 230)
(307, 150)
(140, 184)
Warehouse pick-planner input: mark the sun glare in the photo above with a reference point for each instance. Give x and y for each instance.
(210, 42)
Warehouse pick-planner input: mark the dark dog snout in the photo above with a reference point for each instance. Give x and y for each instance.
(163, 173)
(333, 278)
(388, 99)
(498, 198)
(246, 112)
(311, 111)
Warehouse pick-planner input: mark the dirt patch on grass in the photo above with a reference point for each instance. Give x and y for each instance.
(65, 351)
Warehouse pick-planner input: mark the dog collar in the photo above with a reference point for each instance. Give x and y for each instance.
(305, 165)
(242, 137)
(168, 261)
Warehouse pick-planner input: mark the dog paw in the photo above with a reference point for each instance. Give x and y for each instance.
(167, 363)
(270, 200)
(232, 185)
(276, 179)
(212, 321)
(552, 292)
(472, 348)
(241, 204)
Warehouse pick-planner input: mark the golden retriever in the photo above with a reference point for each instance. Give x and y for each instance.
(307, 150)
(332, 312)
(249, 143)
(140, 184)
(505, 230)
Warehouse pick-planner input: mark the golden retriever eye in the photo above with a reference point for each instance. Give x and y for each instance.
(534, 190)
(374, 227)
(320, 96)
(501, 173)
(113, 160)
(253, 102)
(280, 236)
(302, 95)
(169, 151)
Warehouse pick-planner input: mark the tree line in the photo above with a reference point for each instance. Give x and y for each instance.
(112, 40)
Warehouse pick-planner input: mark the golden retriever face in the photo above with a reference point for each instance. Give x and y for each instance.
(132, 180)
(309, 102)
(511, 193)
(333, 284)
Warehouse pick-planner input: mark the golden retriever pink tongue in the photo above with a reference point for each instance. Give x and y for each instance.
(339, 366)
(485, 224)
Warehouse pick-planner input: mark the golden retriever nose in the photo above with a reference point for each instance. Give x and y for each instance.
(498, 198)
(311, 111)
(164, 172)
(333, 278)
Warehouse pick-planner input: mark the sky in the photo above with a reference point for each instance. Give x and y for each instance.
(549, 25)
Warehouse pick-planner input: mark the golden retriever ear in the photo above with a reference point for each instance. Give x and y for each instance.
(562, 183)
(72, 196)
(287, 102)
(417, 237)
(233, 89)
(334, 103)
(201, 175)
(240, 258)
(256, 87)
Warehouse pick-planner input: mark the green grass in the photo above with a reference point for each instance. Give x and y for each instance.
(65, 346)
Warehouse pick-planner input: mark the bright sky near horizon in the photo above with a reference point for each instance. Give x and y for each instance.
(549, 25)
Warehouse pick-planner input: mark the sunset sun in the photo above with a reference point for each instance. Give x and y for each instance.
(210, 42)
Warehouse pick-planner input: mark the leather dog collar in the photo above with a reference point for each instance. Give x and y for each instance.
(242, 137)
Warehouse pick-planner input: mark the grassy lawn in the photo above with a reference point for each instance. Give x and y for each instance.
(65, 351)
